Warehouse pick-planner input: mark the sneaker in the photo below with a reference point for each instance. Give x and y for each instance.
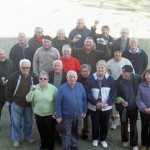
(113, 125)
(95, 143)
(125, 144)
(16, 144)
(30, 140)
(104, 144)
(135, 148)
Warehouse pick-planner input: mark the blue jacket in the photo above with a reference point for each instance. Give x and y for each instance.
(71, 102)
(143, 96)
(83, 32)
(108, 90)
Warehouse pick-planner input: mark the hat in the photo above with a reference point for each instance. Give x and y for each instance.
(47, 37)
(127, 68)
(38, 29)
(117, 48)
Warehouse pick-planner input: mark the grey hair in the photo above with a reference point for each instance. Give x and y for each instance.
(44, 73)
(86, 66)
(71, 72)
(2, 50)
(66, 47)
(102, 62)
(57, 61)
(133, 39)
(24, 61)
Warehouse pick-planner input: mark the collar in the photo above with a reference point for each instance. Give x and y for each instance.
(96, 78)
(137, 51)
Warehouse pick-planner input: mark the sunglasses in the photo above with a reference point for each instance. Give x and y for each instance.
(25, 67)
(43, 78)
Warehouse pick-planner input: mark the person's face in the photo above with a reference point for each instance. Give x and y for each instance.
(2, 56)
(22, 39)
(101, 70)
(80, 25)
(126, 75)
(43, 80)
(124, 36)
(66, 53)
(25, 68)
(117, 55)
(133, 44)
(71, 79)
(85, 72)
(46, 43)
(39, 34)
(61, 35)
(88, 44)
(105, 32)
(57, 67)
(147, 77)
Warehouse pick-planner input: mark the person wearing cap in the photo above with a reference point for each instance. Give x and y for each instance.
(115, 69)
(89, 55)
(101, 94)
(137, 56)
(36, 40)
(104, 36)
(44, 56)
(78, 34)
(127, 85)
(21, 50)
(60, 40)
(123, 41)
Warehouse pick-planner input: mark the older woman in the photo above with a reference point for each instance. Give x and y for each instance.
(43, 97)
(143, 103)
(69, 62)
(101, 94)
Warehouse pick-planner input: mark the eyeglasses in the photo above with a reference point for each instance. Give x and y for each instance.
(43, 78)
(25, 67)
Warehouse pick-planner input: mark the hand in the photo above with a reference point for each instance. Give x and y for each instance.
(83, 115)
(147, 110)
(4, 82)
(99, 105)
(32, 88)
(105, 106)
(125, 104)
(59, 120)
(76, 38)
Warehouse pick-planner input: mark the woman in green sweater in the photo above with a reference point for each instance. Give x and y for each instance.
(43, 97)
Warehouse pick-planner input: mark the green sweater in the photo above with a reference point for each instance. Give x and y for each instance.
(43, 100)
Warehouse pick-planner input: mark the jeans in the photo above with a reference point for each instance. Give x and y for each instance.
(21, 118)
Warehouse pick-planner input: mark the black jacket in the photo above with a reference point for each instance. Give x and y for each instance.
(6, 69)
(17, 53)
(13, 84)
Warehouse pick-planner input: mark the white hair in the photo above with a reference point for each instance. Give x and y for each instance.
(25, 61)
(57, 61)
(66, 47)
(72, 72)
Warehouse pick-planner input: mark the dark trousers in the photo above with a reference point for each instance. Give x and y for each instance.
(100, 123)
(46, 128)
(1, 107)
(132, 116)
(85, 129)
(145, 129)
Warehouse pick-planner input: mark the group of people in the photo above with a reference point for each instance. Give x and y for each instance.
(64, 80)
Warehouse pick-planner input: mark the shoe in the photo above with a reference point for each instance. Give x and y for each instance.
(84, 136)
(30, 140)
(16, 144)
(104, 144)
(144, 148)
(113, 126)
(135, 148)
(95, 143)
(125, 144)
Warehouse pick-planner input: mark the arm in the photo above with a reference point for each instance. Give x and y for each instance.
(36, 63)
(30, 96)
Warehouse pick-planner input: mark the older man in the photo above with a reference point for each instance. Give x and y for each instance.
(36, 40)
(71, 106)
(137, 56)
(89, 55)
(78, 34)
(44, 56)
(123, 41)
(21, 50)
(21, 112)
(6, 69)
(60, 40)
(69, 62)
